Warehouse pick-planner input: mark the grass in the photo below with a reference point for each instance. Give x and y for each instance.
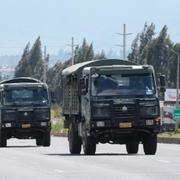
(58, 128)
(57, 120)
(175, 134)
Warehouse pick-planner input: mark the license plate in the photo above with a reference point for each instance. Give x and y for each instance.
(125, 125)
(26, 125)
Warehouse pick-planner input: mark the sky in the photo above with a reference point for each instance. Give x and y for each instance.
(56, 21)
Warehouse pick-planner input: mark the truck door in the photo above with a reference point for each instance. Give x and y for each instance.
(85, 99)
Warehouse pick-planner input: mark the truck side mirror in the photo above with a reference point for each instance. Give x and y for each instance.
(162, 83)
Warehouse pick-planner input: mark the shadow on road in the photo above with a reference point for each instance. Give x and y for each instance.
(98, 154)
(29, 146)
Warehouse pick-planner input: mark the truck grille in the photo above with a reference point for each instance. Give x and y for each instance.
(124, 111)
(25, 115)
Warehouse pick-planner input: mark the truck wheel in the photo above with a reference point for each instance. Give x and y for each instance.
(47, 139)
(89, 145)
(74, 140)
(3, 140)
(38, 141)
(150, 144)
(132, 147)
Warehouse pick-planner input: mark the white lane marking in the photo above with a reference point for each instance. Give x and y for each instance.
(163, 161)
(58, 171)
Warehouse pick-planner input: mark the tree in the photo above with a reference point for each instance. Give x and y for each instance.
(22, 67)
(84, 53)
(145, 40)
(172, 73)
(31, 63)
(158, 52)
(36, 61)
(90, 53)
(141, 43)
(134, 55)
(100, 55)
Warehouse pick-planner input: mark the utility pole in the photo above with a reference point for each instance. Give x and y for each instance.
(177, 85)
(72, 49)
(124, 34)
(45, 66)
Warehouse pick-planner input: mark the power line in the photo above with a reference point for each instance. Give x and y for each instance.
(72, 49)
(45, 66)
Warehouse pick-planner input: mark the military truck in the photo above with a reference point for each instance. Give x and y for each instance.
(24, 111)
(111, 101)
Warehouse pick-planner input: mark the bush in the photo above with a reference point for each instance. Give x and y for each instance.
(57, 121)
(56, 111)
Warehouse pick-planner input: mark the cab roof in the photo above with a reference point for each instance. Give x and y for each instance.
(77, 68)
(21, 80)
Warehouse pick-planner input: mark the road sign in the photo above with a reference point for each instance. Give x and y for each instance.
(176, 114)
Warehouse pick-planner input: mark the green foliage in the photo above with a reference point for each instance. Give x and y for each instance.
(56, 111)
(100, 56)
(20, 69)
(32, 62)
(140, 44)
(134, 55)
(35, 60)
(57, 120)
(174, 134)
(84, 53)
(58, 128)
(156, 51)
(177, 131)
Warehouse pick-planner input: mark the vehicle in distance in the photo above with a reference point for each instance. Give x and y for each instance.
(24, 111)
(111, 101)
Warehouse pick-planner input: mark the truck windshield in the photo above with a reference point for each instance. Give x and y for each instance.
(26, 96)
(123, 84)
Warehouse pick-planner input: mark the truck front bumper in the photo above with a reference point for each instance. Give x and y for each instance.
(25, 125)
(140, 125)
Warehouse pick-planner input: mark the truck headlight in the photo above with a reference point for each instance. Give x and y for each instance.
(42, 114)
(149, 111)
(101, 110)
(8, 115)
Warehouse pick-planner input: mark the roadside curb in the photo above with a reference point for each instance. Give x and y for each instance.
(169, 140)
(59, 134)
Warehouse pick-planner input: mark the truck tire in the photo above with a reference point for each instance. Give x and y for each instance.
(132, 147)
(44, 139)
(150, 144)
(3, 140)
(89, 145)
(47, 139)
(39, 141)
(74, 140)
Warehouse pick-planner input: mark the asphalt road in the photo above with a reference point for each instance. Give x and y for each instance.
(22, 160)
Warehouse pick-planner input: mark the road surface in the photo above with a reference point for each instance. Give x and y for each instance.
(22, 160)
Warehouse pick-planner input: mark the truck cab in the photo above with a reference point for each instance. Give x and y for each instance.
(24, 111)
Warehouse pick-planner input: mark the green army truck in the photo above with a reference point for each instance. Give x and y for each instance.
(111, 101)
(24, 111)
